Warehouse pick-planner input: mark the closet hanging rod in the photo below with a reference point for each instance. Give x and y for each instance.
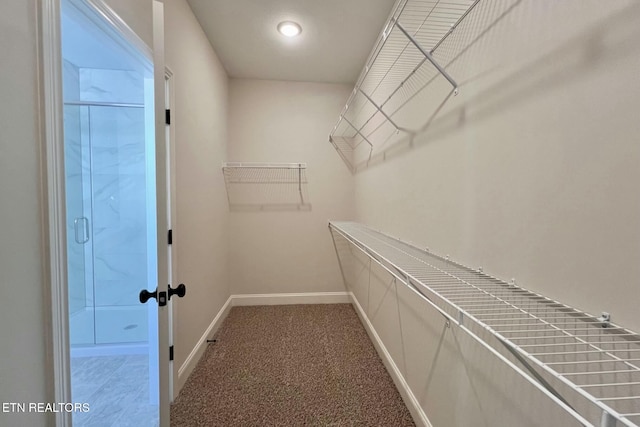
(380, 261)
(264, 165)
(389, 103)
(266, 186)
(399, 257)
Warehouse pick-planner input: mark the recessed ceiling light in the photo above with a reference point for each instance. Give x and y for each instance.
(289, 28)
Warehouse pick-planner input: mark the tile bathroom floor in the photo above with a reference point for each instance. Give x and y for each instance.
(116, 389)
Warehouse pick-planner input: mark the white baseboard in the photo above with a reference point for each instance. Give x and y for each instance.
(419, 417)
(194, 357)
(288, 299)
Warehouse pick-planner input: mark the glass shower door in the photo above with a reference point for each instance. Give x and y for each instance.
(79, 244)
(107, 224)
(120, 223)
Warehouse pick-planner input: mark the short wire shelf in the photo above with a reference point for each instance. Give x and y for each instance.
(595, 363)
(389, 102)
(266, 186)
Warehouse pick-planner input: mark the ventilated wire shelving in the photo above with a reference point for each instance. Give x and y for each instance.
(389, 101)
(584, 363)
(266, 186)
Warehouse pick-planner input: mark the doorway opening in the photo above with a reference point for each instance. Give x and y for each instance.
(111, 222)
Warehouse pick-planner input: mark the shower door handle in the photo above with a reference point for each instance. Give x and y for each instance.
(85, 229)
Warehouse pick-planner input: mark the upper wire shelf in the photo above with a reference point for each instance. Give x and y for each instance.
(266, 186)
(389, 101)
(585, 363)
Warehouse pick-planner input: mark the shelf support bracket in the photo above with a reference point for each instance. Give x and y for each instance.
(386, 116)
(300, 183)
(536, 375)
(428, 56)
(358, 131)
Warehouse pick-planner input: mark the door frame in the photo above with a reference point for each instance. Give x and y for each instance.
(55, 309)
(172, 216)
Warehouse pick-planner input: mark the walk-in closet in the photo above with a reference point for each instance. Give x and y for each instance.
(339, 212)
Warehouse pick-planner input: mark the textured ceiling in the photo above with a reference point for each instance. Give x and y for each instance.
(337, 37)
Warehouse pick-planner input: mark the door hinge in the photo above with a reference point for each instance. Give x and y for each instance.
(167, 116)
(170, 353)
(170, 237)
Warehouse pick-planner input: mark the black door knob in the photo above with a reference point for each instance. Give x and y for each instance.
(145, 295)
(161, 297)
(180, 291)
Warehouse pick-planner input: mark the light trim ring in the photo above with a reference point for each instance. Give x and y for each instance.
(289, 28)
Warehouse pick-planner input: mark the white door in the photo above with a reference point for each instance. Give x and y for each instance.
(116, 209)
(163, 209)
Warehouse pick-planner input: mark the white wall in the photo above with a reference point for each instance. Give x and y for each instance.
(137, 15)
(199, 120)
(531, 172)
(290, 250)
(22, 371)
(537, 181)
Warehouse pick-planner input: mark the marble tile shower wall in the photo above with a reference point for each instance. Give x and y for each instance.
(117, 86)
(119, 202)
(119, 205)
(111, 147)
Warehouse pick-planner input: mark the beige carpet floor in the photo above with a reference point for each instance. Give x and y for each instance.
(295, 365)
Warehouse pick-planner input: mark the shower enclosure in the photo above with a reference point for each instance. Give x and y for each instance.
(111, 218)
(110, 189)
(107, 224)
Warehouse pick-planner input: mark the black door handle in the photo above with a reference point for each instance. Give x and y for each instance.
(145, 295)
(161, 297)
(180, 291)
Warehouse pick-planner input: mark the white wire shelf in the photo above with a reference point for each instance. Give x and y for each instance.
(389, 102)
(266, 186)
(584, 363)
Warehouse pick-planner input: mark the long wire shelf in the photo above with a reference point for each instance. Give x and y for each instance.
(266, 186)
(594, 362)
(389, 102)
